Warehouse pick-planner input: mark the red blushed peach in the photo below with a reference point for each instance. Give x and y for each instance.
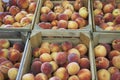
(108, 8)
(4, 43)
(73, 68)
(41, 76)
(62, 24)
(81, 22)
(61, 58)
(115, 61)
(20, 15)
(54, 65)
(1, 76)
(45, 44)
(8, 19)
(74, 50)
(2, 15)
(18, 46)
(48, 4)
(28, 76)
(77, 5)
(68, 12)
(102, 63)
(45, 57)
(2, 59)
(115, 76)
(45, 10)
(44, 50)
(62, 73)
(32, 7)
(51, 16)
(75, 15)
(72, 25)
(82, 49)
(4, 53)
(98, 12)
(113, 53)
(43, 17)
(36, 53)
(55, 78)
(104, 26)
(84, 74)
(45, 25)
(116, 44)
(100, 51)
(108, 17)
(23, 3)
(54, 23)
(14, 10)
(66, 45)
(84, 63)
(103, 74)
(58, 9)
(53, 55)
(98, 19)
(46, 68)
(54, 47)
(117, 20)
(13, 55)
(17, 65)
(7, 64)
(4, 69)
(16, 24)
(73, 57)
(36, 67)
(12, 73)
(107, 46)
(63, 16)
(98, 4)
(35, 59)
(25, 21)
(112, 70)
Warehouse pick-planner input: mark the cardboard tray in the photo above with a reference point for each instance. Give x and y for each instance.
(25, 28)
(86, 3)
(103, 38)
(95, 27)
(16, 37)
(37, 37)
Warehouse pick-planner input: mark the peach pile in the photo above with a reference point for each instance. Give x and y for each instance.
(107, 14)
(63, 15)
(10, 57)
(107, 59)
(17, 13)
(55, 61)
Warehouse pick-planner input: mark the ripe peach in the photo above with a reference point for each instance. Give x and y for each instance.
(28, 76)
(97, 4)
(54, 47)
(36, 53)
(113, 53)
(68, 12)
(16, 24)
(49, 4)
(53, 55)
(73, 57)
(103, 74)
(2, 15)
(35, 59)
(12, 73)
(66, 45)
(46, 68)
(45, 44)
(110, 28)
(54, 65)
(81, 22)
(84, 74)
(73, 77)
(4, 53)
(7, 64)
(12, 2)
(115, 76)
(100, 51)
(115, 44)
(107, 46)
(117, 20)
(75, 15)
(25, 21)
(113, 70)
(14, 10)
(2, 59)
(72, 25)
(51, 16)
(8, 19)
(73, 68)
(98, 12)
(36, 67)
(63, 16)
(20, 15)
(69, 6)
(4, 43)
(45, 57)
(104, 26)
(23, 4)
(62, 24)
(30, 16)
(41, 76)
(45, 25)
(55, 78)
(98, 19)
(108, 17)
(62, 73)
(115, 61)
(17, 65)
(65, 2)
(77, 5)
(1, 76)
(61, 57)
(43, 17)
(83, 12)
(84, 63)
(74, 50)
(18, 46)
(108, 8)
(111, 23)
(58, 9)
(54, 23)
(116, 12)
(4, 69)
(45, 10)
(32, 7)
(102, 63)
(82, 48)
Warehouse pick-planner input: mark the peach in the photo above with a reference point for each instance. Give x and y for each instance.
(75, 15)
(1, 76)
(98, 12)
(98, 19)
(100, 51)
(115, 76)
(30, 16)
(28, 76)
(69, 6)
(45, 44)
(97, 4)
(72, 25)
(62, 24)
(36, 53)
(77, 5)
(58, 9)
(45, 57)
(66, 45)
(4, 43)
(4, 53)
(107, 46)
(115, 44)
(61, 58)
(84, 63)
(12, 73)
(73, 77)
(23, 4)
(17, 65)
(36, 67)
(7, 64)
(81, 22)
(111, 23)
(43, 17)
(32, 7)
(2, 15)
(20, 15)
(108, 17)
(110, 28)
(102, 63)
(117, 20)
(82, 48)
(55, 78)
(2, 59)
(8, 19)
(12, 2)
(115, 61)
(45, 10)
(117, 27)
(108, 8)
(49, 4)
(63, 16)
(84, 74)
(83, 12)
(16, 24)
(51, 16)
(46, 68)
(25, 21)
(68, 12)
(103, 74)
(73, 68)
(65, 2)
(73, 57)
(103, 26)
(54, 65)
(74, 50)
(41, 76)
(13, 55)
(116, 12)
(53, 55)
(62, 73)
(45, 25)
(18, 46)
(54, 23)
(54, 47)
(35, 59)
(14, 10)
(113, 53)
(113, 70)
